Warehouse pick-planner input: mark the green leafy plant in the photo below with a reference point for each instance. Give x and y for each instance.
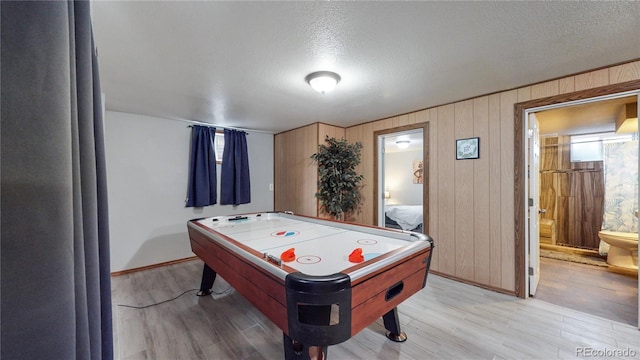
(338, 183)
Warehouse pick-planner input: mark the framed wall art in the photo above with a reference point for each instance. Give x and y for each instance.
(468, 148)
(418, 171)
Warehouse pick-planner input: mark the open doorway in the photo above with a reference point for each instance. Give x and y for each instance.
(401, 165)
(571, 186)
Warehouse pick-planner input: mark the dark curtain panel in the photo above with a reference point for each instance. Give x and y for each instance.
(235, 187)
(56, 289)
(202, 168)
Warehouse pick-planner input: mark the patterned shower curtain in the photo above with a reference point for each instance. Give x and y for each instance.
(620, 186)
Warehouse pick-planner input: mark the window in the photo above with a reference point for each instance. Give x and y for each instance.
(218, 145)
(586, 148)
(589, 147)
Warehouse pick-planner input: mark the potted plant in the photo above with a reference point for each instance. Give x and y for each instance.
(338, 183)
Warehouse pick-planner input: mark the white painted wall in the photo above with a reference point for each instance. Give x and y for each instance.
(147, 165)
(399, 178)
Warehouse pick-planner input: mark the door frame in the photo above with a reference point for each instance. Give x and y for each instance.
(425, 184)
(521, 110)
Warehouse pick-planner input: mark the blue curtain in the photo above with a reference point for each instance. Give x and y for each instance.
(235, 187)
(202, 168)
(56, 289)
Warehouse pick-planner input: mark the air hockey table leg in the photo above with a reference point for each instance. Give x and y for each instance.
(392, 324)
(294, 350)
(208, 277)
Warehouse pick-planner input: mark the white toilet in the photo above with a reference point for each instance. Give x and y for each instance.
(623, 251)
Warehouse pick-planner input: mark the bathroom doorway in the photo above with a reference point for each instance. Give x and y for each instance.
(566, 198)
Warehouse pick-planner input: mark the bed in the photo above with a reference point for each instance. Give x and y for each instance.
(403, 217)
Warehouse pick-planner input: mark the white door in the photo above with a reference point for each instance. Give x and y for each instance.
(534, 203)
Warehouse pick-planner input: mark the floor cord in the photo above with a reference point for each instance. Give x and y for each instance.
(174, 298)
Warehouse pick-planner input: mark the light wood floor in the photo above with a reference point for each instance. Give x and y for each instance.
(446, 320)
(591, 289)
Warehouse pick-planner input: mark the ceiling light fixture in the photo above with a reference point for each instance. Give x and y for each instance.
(402, 144)
(323, 81)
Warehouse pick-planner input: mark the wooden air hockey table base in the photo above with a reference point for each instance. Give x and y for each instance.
(319, 298)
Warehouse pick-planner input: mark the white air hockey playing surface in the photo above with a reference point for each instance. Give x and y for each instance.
(320, 249)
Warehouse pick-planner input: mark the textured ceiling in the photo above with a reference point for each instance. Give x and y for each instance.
(243, 64)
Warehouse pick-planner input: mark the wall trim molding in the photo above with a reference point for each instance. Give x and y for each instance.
(153, 266)
(473, 283)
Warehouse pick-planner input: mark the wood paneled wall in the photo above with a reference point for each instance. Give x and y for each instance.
(472, 202)
(476, 246)
(475, 216)
(295, 173)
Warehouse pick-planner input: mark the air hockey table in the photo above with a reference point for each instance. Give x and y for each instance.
(320, 281)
